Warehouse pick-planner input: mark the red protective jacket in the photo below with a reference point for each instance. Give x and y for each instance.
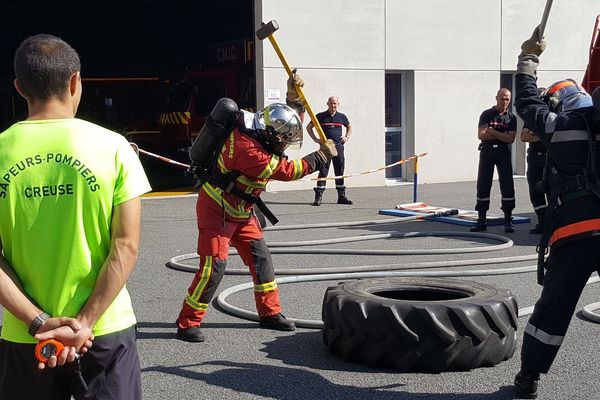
(246, 155)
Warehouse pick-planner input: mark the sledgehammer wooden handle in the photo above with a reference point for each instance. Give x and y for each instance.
(544, 19)
(266, 31)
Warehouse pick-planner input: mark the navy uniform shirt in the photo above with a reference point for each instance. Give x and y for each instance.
(332, 125)
(502, 122)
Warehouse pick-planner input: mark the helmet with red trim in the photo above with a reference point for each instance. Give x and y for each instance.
(280, 124)
(566, 95)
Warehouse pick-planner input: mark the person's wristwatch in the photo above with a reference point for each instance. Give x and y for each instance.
(37, 322)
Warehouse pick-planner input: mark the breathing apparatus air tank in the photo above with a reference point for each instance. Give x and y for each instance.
(213, 133)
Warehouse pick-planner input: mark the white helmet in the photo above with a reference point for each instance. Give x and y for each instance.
(281, 125)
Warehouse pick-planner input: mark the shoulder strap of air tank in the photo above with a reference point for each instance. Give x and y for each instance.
(226, 182)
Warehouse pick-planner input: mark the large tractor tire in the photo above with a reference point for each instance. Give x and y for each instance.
(420, 324)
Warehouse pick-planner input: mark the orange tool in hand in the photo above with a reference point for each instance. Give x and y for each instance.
(48, 348)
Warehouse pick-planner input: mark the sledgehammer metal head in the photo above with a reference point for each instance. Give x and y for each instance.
(267, 29)
(266, 32)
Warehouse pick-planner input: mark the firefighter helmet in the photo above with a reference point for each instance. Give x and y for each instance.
(566, 95)
(281, 124)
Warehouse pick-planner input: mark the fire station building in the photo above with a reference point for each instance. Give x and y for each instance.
(414, 76)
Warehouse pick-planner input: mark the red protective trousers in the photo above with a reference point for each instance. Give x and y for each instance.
(214, 238)
(224, 218)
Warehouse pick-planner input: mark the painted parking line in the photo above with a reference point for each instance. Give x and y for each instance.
(177, 192)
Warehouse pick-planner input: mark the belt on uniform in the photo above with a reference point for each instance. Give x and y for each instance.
(492, 146)
(536, 153)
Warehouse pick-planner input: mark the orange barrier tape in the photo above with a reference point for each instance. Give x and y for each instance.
(165, 159)
(415, 157)
(371, 171)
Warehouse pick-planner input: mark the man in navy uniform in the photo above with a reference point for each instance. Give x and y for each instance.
(497, 130)
(332, 123)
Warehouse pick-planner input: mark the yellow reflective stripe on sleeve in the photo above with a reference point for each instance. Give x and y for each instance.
(216, 194)
(269, 169)
(298, 169)
(265, 287)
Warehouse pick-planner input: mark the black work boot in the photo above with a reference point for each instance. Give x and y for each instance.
(277, 322)
(526, 385)
(191, 334)
(480, 226)
(508, 225)
(318, 196)
(538, 228)
(342, 199)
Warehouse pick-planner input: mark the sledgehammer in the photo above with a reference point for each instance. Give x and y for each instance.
(266, 31)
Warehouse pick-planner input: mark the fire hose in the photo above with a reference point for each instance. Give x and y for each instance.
(375, 271)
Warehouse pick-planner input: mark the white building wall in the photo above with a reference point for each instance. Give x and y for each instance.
(339, 51)
(568, 32)
(447, 110)
(456, 51)
(443, 35)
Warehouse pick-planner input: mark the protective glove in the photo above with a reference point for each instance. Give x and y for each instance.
(530, 51)
(292, 95)
(533, 45)
(328, 149)
(321, 157)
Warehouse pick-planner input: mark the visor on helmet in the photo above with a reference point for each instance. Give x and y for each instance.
(281, 123)
(566, 95)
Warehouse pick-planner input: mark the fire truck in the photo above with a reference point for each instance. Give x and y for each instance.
(591, 79)
(190, 99)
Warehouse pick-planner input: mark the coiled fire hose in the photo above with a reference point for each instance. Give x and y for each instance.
(374, 271)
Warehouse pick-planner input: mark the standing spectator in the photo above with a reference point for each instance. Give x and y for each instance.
(497, 130)
(562, 117)
(332, 122)
(536, 160)
(69, 232)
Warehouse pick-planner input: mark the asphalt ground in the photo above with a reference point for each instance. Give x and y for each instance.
(240, 361)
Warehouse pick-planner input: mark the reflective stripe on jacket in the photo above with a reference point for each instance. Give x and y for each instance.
(244, 154)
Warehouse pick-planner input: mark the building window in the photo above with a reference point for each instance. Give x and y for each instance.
(394, 124)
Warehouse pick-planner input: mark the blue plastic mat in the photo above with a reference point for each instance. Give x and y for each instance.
(464, 217)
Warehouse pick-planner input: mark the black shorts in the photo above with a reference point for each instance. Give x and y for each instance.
(109, 370)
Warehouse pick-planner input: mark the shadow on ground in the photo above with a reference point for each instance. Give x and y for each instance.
(298, 384)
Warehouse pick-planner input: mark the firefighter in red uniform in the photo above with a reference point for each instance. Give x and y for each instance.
(563, 118)
(252, 155)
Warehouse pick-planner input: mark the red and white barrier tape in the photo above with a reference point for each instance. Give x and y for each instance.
(165, 159)
(415, 157)
(168, 160)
